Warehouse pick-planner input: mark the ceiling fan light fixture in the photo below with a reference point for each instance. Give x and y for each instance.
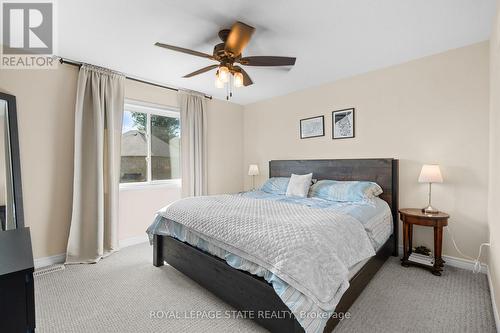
(218, 81)
(224, 74)
(238, 80)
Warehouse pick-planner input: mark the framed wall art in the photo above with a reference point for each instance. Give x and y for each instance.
(343, 124)
(312, 127)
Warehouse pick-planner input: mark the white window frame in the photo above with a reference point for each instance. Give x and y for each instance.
(158, 110)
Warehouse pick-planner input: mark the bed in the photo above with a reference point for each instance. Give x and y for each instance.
(256, 294)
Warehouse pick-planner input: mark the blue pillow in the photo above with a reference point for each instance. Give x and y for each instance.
(276, 185)
(345, 191)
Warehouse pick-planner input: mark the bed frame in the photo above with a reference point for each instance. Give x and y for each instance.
(247, 292)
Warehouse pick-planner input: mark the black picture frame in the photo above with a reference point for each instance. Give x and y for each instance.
(336, 114)
(312, 136)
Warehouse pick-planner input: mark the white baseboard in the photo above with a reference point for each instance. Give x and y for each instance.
(59, 258)
(134, 240)
(457, 262)
(52, 260)
(493, 301)
(464, 264)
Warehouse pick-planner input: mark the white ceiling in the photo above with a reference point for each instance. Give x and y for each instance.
(331, 39)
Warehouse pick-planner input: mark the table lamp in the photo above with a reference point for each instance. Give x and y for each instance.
(430, 174)
(253, 170)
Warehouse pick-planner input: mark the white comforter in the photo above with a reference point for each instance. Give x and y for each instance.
(309, 248)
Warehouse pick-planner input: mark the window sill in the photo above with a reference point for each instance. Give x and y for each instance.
(174, 183)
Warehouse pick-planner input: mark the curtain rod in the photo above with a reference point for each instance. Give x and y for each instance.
(79, 64)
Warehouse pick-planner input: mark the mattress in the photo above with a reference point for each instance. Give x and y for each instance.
(375, 216)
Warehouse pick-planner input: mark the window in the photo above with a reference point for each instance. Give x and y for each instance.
(150, 147)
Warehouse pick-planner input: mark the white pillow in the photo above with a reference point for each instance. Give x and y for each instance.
(299, 185)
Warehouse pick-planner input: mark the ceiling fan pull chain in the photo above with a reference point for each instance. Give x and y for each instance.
(231, 83)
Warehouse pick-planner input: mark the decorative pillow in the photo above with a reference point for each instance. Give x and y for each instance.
(345, 191)
(276, 185)
(299, 185)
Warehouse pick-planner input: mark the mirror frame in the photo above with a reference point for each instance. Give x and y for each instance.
(15, 159)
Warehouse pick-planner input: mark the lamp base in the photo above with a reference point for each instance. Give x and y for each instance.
(430, 210)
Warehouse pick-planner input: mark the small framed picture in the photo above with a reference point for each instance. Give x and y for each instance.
(312, 127)
(343, 124)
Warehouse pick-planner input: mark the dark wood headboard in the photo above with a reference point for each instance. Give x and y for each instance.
(383, 171)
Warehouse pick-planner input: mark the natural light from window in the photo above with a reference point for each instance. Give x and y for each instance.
(150, 147)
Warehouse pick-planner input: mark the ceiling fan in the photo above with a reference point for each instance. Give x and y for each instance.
(229, 55)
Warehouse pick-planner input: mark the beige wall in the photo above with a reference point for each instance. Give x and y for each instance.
(432, 110)
(494, 199)
(138, 207)
(46, 100)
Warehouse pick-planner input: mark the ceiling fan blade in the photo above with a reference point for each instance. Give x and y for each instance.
(199, 71)
(183, 50)
(238, 38)
(247, 81)
(267, 61)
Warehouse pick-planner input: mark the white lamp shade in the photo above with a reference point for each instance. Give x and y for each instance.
(430, 174)
(253, 170)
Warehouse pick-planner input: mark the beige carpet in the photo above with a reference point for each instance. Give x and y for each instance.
(119, 293)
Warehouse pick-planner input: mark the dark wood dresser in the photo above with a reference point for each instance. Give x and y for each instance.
(17, 296)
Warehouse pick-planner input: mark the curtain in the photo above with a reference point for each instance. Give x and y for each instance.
(193, 144)
(98, 120)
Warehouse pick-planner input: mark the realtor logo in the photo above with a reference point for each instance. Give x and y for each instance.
(27, 28)
(27, 35)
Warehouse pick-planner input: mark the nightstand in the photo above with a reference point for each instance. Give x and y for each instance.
(415, 216)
